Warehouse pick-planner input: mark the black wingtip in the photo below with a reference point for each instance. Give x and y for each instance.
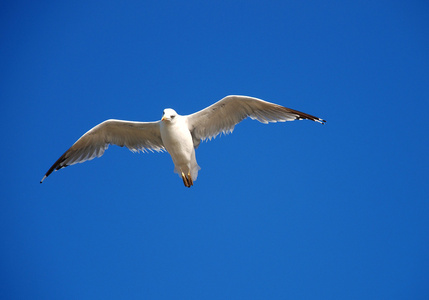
(321, 121)
(44, 177)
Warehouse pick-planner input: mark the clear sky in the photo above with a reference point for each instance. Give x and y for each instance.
(293, 210)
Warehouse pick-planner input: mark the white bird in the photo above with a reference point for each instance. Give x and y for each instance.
(179, 135)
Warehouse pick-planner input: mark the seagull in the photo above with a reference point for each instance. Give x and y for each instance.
(176, 134)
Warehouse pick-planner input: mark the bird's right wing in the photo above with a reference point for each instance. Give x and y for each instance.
(136, 136)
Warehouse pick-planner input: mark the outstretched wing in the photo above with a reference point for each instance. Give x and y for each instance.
(222, 116)
(136, 136)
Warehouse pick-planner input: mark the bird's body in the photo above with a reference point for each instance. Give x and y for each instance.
(178, 142)
(178, 135)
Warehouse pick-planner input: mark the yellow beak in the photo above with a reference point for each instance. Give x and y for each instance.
(163, 119)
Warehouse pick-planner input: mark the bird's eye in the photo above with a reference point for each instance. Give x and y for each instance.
(172, 117)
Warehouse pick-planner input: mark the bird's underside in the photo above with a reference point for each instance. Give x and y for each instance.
(179, 135)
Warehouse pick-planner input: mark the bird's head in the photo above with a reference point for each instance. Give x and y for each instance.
(168, 115)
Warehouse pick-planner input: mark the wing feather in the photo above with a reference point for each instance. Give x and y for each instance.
(136, 136)
(222, 116)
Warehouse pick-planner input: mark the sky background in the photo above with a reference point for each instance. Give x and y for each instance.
(291, 210)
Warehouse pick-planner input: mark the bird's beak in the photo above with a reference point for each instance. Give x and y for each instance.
(163, 118)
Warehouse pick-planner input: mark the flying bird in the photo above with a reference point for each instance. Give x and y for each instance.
(176, 134)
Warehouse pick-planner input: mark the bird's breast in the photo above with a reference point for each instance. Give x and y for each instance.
(176, 137)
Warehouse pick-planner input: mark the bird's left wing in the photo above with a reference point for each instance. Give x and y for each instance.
(222, 116)
(136, 136)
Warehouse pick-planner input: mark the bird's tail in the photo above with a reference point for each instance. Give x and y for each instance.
(189, 175)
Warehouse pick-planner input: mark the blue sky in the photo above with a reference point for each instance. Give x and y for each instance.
(292, 210)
